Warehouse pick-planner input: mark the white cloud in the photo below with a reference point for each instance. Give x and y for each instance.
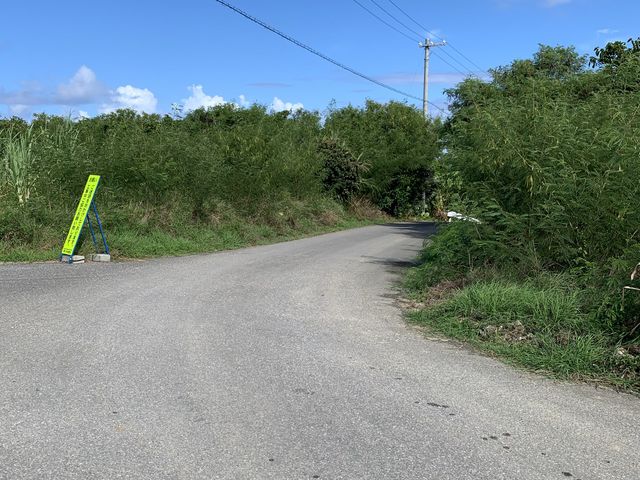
(82, 88)
(416, 78)
(138, 99)
(279, 105)
(606, 31)
(31, 93)
(269, 85)
(243, 101)
(435, 34)
(19, 109)
(199, 99)
(542, 3)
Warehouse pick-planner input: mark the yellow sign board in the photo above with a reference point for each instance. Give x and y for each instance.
(81, 213)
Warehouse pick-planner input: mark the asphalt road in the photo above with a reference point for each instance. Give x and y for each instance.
(288, 361)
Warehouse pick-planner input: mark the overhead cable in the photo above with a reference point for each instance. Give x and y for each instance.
(396, 18)
(321, 55)
(437, 36)
(385, 22)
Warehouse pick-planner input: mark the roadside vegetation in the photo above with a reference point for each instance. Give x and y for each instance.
(212, 179)
(546, 154)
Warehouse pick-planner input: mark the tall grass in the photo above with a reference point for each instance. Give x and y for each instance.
(18, 162)
(542, 327)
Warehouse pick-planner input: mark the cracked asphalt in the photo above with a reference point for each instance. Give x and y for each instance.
(289, 361)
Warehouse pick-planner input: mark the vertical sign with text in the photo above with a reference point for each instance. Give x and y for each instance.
(81, 214)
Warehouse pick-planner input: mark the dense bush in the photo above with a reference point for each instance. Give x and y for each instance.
(341, 171)
(212, 168)
(399, 147)
(545, 154)
(557, 152)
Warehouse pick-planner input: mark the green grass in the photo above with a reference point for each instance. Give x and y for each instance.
(35, 232)
(202, 239)
(25, 253)
(536, 324)
(131, 242)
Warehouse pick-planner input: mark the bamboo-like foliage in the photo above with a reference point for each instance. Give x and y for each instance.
(18, 161)
(550, 159)
(547, 155)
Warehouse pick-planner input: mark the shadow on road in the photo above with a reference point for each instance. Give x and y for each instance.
(394, 263)
(414, 229)
(420, 230)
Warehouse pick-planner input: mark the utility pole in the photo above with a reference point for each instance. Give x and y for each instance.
(427, 45)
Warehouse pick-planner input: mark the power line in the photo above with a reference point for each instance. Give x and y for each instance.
(411, 30)
(321, 55)
(416, 33)
(395, 18)
(454, 59)
(437, 36)
(407, 15)
(451, 65)
(384, 21)
(461, 54)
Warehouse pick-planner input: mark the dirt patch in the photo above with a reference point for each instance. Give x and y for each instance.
(514, 332)
(435, 295)
(328, 218)
(364, 209)
(443, 290)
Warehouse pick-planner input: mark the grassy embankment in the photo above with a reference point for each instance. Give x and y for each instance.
(150, 239)
(545, 155)
(544, 322)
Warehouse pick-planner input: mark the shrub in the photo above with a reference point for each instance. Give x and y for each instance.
(341, 171)
(399, 147)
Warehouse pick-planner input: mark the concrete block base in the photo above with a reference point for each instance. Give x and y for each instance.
(100, 257)
(72, 259)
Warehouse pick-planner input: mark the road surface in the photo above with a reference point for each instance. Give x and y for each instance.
(288, 361)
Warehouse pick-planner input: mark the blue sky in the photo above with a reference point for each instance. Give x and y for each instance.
(92, 57)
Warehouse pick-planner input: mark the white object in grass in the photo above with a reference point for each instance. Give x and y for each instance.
(460, 216)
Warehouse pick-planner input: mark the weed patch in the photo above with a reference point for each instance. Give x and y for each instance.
(537, 325)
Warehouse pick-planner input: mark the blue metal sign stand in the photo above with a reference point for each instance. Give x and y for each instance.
(93, 235)
(87, 221)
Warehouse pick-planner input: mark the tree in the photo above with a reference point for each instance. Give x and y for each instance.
(556, 63)
(341, 171)
(395, 140)
(613, 54)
